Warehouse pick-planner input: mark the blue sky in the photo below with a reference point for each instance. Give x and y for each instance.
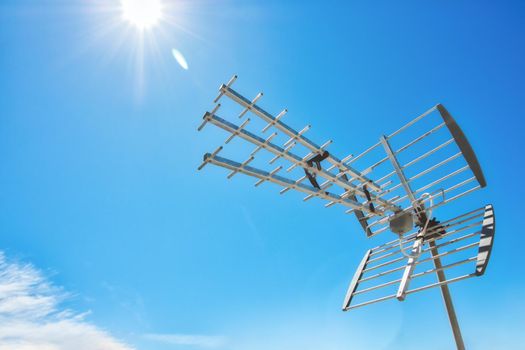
(100, 196)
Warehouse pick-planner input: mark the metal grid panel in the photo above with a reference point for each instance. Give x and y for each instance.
(386, 272)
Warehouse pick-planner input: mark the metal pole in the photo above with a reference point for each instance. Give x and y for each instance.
(433, 249)
(446, 297)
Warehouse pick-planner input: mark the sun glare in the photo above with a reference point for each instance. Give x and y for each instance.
(143, 14)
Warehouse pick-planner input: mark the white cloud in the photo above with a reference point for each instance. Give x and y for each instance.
(31, 316)
(203, 341)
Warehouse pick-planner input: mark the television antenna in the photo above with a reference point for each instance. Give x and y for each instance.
(396, 185)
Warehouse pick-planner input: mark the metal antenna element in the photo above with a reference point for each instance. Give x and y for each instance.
(397, 185)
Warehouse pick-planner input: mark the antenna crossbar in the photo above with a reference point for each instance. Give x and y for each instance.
(267, 176)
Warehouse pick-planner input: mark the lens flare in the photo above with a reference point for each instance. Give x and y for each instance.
(181, 60)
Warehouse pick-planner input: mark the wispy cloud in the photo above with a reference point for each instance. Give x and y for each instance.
(31, 316)
(203, 341)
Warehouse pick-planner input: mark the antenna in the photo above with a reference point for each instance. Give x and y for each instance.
(396, 185)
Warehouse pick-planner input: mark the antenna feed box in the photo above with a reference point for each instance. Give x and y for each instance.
(402, 223)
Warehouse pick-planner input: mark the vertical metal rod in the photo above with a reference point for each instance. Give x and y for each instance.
(409, 269)
(412, 122)
(399, 171)
(446, 297)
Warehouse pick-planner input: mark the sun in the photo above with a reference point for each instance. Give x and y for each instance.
(144, 14)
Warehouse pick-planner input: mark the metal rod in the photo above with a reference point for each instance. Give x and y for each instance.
(425, 155)
(279, 116)
(333, 166)
(385, 264)
(414, 276)
(355, 280)
(206, 158)
(451, 199)
(379, 286)
(306, 157)
(273, 172)
(264, 144)
(286, 189)
(409, 269)
(412, 122)
(387, 218)
(386, 177)
(417, 139)
(206, 117)
(454, 173)
(259, 95)
(235, 96)
(447, 299)
(323, 186)
(446, 224)
(228, 84)
(453, 232)
(375, 165)
(443, 268)
(455, 240)
(278, 156)
(399, 171)
(437, 284)
(298, 135)
(371, 302)
(435, 166)
(284, 153)
(235, 171)
(251, 171)
(452, 280)
(381, 274)
(449, 252)
(239, 129)
(411, 237)
(363, 153)
(424, 172)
